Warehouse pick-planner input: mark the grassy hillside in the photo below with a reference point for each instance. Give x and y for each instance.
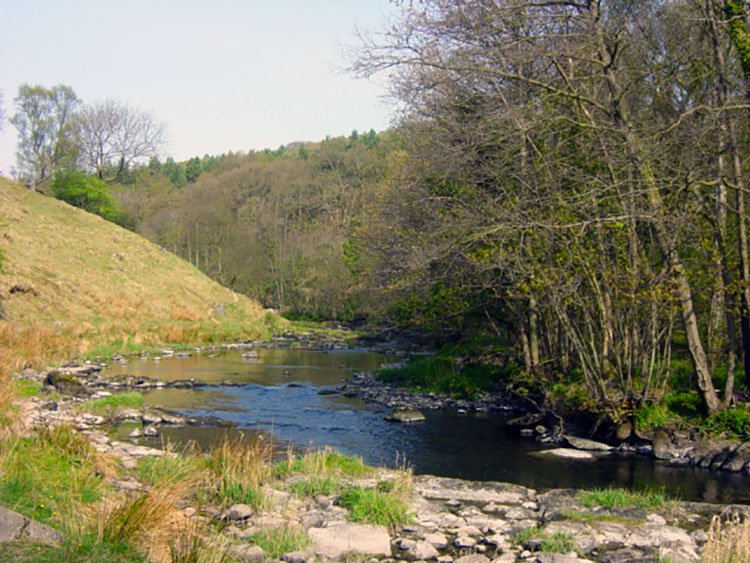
(71, 282)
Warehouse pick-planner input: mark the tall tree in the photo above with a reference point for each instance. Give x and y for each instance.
(112, 135)
(43, 120)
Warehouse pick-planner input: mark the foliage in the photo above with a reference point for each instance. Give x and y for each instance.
(440, 374)
(43, 120)
(88, 193)
(733, 423)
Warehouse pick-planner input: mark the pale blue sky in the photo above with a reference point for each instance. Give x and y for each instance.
(222, 75)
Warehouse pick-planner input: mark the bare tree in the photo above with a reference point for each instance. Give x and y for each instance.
(112, 135)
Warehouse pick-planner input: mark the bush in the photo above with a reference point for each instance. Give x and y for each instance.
(87, 193)
(734, 423)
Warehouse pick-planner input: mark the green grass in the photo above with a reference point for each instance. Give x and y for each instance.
(66, 470)
(375, 506)
(622, 498)
(322, 463)
(164, 470)
(117, 401)
(314, 486)
(277, 541)
(26, 387)
(559, 542)
(86, 549)
(439, 374)
(731, 423)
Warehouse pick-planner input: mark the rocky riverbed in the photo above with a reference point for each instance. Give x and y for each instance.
(452, 520)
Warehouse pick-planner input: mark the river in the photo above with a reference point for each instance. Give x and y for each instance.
(280, 397)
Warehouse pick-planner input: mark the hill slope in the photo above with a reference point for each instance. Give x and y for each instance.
(71, 281)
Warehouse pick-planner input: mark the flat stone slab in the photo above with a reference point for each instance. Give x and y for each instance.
(14, 526)
(336, 542)
(568, 453)
(443, 488)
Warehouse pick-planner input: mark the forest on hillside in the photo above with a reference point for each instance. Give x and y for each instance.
(564, 192)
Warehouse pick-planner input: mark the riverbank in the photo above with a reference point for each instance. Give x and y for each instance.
(308, 500)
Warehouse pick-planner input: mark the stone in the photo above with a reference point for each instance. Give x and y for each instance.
(150, 431)
(507, 557)
(624, 431)
(475, 558)
(405, 414)
(67, 384)
(295, 557)
(341, 540)
(665, 448)
(248, 553)
(567, 453)
(464, 541)
(436, 540)
(444, 488)
(422, 551)
(556, 558)
(239, 512)
(14, 526)
(136, 433)
(584, 444)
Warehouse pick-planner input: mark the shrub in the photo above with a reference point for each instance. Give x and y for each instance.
(732, 422)
(88, 193)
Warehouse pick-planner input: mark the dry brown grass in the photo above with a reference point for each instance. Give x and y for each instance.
(238, 468)
(728, 541)
(150, 522)
(71, 282)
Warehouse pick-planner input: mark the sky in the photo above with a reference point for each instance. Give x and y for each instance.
(225, 75)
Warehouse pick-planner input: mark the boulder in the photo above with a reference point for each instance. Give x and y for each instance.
(67, 384)
(405, 414)
(335, 542)
(584, 444)
(14, 526)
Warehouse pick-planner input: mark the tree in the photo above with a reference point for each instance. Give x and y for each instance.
(112, 136)
(87, 193)
(43, 119)
(555, 147)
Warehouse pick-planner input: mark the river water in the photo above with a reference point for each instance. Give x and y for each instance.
(280, 397)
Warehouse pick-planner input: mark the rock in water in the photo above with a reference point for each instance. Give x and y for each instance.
(405, 414)
(584, 444)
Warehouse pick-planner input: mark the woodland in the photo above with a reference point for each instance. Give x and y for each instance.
(563, 197)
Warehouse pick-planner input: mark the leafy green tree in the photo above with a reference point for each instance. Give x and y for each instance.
(88, 193)
(193, 169)
(46, 141)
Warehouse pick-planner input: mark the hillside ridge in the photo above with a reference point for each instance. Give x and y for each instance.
(70, 275)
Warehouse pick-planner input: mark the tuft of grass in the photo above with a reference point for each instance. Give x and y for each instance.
(145, 521)
(237, 469)
(277, 541)
(114, 402)
(322, 463)
(732, 423)
(623, 498)
(728, 542)
(167, 469)
(313, 486)
(26, 387)
(386, 504)
(559, 542)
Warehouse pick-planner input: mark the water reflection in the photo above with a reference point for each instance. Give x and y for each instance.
(280, 397)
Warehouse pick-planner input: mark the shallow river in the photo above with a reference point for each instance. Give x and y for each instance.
(280, 397)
